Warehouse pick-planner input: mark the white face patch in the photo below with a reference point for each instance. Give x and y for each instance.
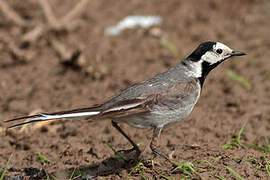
(220, 52)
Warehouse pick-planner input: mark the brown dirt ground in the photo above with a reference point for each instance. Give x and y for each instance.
(45, 84)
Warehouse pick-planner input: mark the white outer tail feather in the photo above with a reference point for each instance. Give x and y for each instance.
(86, 113)
(83, 114)
(68, 115)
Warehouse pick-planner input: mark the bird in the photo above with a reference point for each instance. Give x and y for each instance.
(159, 102)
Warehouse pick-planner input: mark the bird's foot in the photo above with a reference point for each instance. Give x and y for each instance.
(157, 152)
(130, 155)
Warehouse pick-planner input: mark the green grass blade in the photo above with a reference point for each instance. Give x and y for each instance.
(186, 168)
(205, 162)
(135, 168)
(170, 46)
(234, 173)
(116, 153)
(166, 177)
(267, 166)
(235, 142)
(5, 168)
(240, 134)
(251, 160)
(267, 145)
(268, 170)
(72, 174)
(263, 148)
(43, 159)
(218, 177)
(239, 79)
(142, 175)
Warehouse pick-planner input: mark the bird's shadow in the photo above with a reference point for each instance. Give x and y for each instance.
(111, 165)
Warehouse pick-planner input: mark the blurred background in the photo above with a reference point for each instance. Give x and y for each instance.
(56, 55)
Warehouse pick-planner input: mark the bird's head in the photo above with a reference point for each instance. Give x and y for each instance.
(213, 52)
(207, 56)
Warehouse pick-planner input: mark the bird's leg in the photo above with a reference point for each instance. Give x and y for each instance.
(135, 147)
(154, 143)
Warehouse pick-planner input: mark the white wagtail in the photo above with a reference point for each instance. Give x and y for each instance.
(156, 103)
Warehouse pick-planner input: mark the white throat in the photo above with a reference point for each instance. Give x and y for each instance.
(195, 68)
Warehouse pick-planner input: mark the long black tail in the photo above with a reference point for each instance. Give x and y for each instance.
(122, 108)
(77, 113)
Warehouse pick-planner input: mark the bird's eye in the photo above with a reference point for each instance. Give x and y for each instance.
(219, 51)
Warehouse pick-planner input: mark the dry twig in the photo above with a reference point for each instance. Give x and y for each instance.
(34, 34)
(46, 7)
(64, 53)
(12, 15)
(19, 54)
(39, 30)
(75, 12)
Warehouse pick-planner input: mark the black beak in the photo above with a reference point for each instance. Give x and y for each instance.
(237, 53)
